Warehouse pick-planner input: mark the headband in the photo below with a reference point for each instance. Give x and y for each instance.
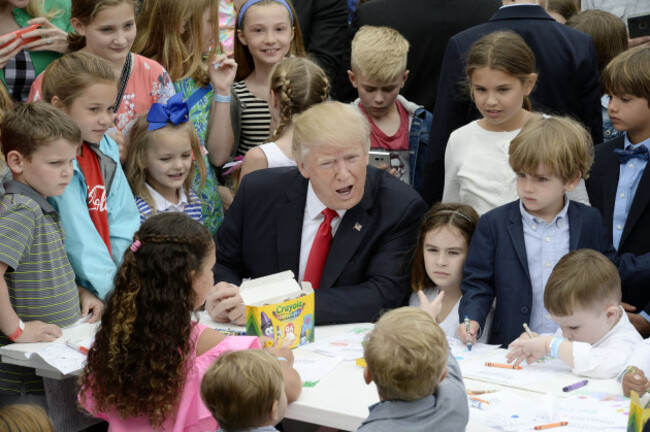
(456, 212)
(175, 112)
(250, 3)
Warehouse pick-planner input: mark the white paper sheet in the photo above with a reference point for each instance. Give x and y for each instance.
(347, 346)
(460, 351)
(312, 370)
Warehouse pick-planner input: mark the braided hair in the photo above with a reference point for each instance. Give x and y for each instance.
(298, 83)
(137, 365)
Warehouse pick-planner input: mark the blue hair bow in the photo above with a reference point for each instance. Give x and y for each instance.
(175, 112)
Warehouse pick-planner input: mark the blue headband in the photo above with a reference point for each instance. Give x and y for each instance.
(175, 112)
(250, 3)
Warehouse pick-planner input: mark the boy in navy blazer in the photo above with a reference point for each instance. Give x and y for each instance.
(516, 246)
(620, 180)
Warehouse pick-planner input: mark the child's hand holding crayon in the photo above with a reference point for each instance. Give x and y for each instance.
(281, 353)
(528, 349)
(473, 331)
(635, 379)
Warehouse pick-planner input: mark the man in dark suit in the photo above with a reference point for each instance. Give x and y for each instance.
(276, 214)
(427, 25)
(567, 84)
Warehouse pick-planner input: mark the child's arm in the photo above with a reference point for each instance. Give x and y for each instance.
(635, 380)
(35, 331)
(219, 138)
(451, 192)
(292, 382)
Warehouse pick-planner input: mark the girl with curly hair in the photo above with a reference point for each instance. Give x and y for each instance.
(145, 367)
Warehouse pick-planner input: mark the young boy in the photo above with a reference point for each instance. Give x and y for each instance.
(595, 336)
(515, 246)
(244, 390)
(419, 384)
(378, 60)
(620, 180)
(39, 144)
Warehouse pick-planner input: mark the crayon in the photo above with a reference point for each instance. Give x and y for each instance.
(551, 425)
(479, 392)
(469, 336)
(503, 366)
(478, 405)
(530, 333)
(77, 346)
(575, 386)
(479, 400)
(268, 344)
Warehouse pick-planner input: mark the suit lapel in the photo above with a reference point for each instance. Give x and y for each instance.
(611, 171)
(640, 202)
(516, 232)
(288, 225)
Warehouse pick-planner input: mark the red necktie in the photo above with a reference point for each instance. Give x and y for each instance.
(319, 249)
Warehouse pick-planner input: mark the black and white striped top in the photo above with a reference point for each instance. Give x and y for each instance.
(255, 119)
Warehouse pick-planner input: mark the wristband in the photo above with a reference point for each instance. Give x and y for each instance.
(282, 359)
(221, 98)
(555, 346)
(19, 331)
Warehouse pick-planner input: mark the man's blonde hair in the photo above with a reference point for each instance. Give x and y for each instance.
(331, 123)
(406, 354)
(240, 388)
(561, 144)
(583, 279)
(379, 54)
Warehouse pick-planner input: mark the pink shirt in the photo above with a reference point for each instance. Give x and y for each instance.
(192, 414)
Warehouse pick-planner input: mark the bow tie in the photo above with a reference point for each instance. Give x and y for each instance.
(640, 152)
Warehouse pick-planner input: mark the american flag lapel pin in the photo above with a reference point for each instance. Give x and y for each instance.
(357, 226)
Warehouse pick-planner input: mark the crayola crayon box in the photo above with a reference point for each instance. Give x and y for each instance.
(277, 307)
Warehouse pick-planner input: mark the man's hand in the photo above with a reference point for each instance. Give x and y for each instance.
(224, 304)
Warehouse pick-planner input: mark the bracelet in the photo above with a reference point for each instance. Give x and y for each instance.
(282, 359)
(19, 331)
(221, 98)
(555, 346)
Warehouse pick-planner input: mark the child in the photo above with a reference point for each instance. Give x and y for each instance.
(619, 185)
(165, 276)
(39, 144)
(443, 240)
(516, 246)
(610, 39)
(159, 164)
(501, 74)
(20, 417)
(419, 384)
(244, 390)
(106, 28)
(296, 84)
(595, 336)
(97, 210)
(378, 60)
(178, 35)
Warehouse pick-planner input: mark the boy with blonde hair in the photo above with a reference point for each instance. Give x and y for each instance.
(550, 156)
(595, 336)
(378, 60)
(244, 390)
(419, 384)
(620, 183)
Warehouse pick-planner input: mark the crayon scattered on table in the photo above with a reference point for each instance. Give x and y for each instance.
(503, 366)
(575, 386)
(551, 425)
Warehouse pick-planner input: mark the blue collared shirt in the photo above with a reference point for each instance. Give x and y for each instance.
(545, 244)
(628, 181)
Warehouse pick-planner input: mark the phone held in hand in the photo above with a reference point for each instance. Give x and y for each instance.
(18, 33)
(379, 159)
(639, 25)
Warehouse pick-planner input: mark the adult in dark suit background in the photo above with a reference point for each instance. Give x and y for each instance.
(427, 25)
(568, 81)
(272, 222)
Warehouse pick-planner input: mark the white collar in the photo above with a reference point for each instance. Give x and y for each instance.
(163, 203)
(315, 206)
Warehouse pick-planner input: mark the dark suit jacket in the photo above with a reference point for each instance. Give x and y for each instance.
(635, 239)
(324, 25)
(427, 25)
(367, 266)
(568, 83)
(497, 266)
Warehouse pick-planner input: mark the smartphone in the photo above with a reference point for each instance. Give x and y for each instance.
(22, 31)
(639, 25)
(380, 159)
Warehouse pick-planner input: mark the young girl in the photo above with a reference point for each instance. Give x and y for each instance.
(296, 84)
(501, 75)
(97, 209)
(159, 164)
(106, 28)
(166, 274)
(178, 34)
(443, 240)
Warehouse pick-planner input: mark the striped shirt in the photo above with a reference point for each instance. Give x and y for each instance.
(191, 206)
(255, 119)
(40, 279)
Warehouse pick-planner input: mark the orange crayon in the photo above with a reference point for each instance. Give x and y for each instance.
(551, 425)
(479, 400)
(503, 366)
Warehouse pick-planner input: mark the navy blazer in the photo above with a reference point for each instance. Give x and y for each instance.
(497, 266)
(568, 83)
(367, 268)
(635, 239)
